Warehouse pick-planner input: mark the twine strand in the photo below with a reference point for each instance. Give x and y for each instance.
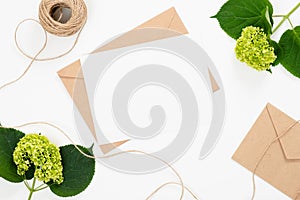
(181, 184)
(297, 195)
(53, 26)
(172, 183)
(33, 59)
(265, 152)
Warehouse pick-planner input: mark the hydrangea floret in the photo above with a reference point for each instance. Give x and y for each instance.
(254, 49)
(36, 150)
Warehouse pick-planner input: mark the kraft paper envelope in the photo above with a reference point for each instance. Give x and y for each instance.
(280, 166)
(73, 75)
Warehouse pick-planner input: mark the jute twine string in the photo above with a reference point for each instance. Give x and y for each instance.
(72, 26)
(54, 26)
(180, 183)
(276, 139)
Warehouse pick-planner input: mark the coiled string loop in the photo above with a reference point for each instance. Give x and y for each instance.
(61, 18)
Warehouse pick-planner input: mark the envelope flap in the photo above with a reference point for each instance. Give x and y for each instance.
(71, 71)
(73, 80)
(166, 20)
(214, 84)
(290, 142)
(165, 25)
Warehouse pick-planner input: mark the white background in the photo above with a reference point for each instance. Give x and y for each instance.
(40, 96)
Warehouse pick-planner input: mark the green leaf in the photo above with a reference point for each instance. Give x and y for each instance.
(277, 51)
(238, 14)
(78, 171)
(30, 173)
(9, 139)
(290, 45)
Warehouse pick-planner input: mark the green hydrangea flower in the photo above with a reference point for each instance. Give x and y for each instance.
(36, 150)
(254, 49)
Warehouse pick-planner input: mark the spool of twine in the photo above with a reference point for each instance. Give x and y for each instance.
(61, 18)
(51, 15)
